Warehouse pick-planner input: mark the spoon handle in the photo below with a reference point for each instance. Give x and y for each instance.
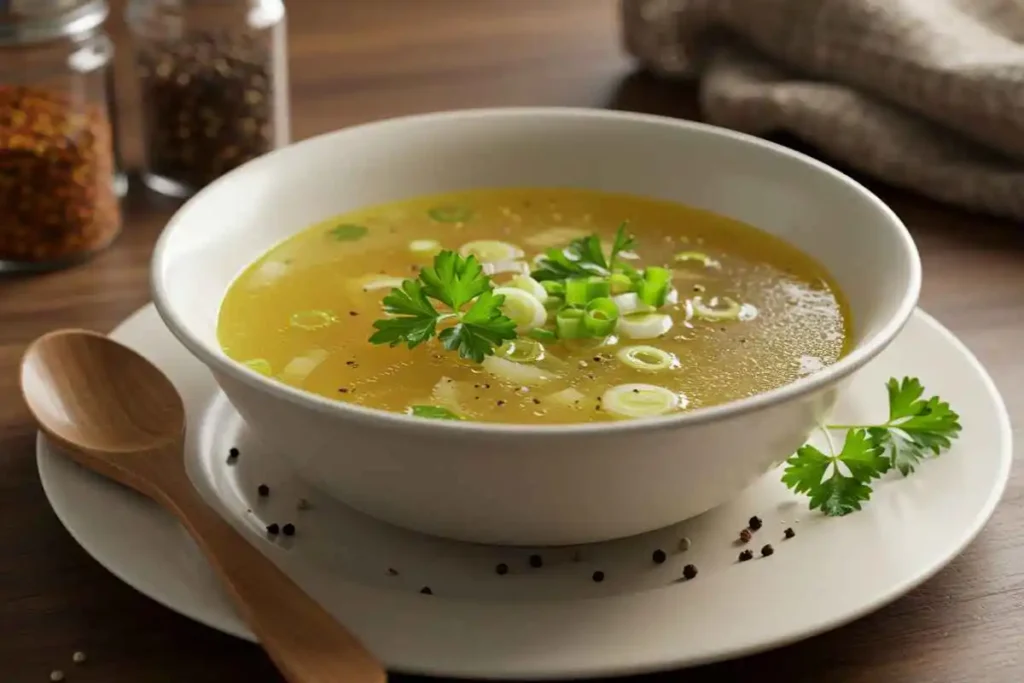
(305, 642)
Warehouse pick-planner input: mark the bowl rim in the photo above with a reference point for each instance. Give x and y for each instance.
(866, 350)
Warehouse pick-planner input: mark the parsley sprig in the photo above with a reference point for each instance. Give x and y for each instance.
(838, 482)
(467, 294)
(584, 257)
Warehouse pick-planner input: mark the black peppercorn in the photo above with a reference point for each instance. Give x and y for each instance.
(288, 529)
(233, 454)
(754, 523)
(426, 590)
(501, 569)
(273, 529)
(746, 555)
(659, 556)
(767, 551)
(263, 490)
(392, 571)
(598, 576)
(689, 572)
(789, 533)
(536, 561)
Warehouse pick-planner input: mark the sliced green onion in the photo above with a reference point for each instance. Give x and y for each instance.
(260, 365)
(381, 282)
(556, 237)
(644, 325)
(576, 291)
(491, 251)
(522, 350)
(450, 214)
(516, 373)
(597, 287)
(601, 317)
(566, 397)
(647, 358)
(529, 285)
(348, 232)
(640, 400)
(299, 368)
(655, 285)
(569, 323)
(630, 303)
(620, 283)
(717, 308)
(698, 257)
(499, 267)
(312, 320)
(542, 334)
(524, 309)
(553, 287)
(433, 413)
(425, 247)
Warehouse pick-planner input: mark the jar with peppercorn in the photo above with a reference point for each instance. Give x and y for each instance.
(59, 173)
(213, 85)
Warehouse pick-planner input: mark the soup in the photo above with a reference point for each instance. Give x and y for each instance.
(569, 306)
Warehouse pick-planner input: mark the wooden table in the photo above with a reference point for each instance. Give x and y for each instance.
(356, 60)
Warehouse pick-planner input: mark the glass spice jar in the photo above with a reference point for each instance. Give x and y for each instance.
(214, 87)
(59, 172)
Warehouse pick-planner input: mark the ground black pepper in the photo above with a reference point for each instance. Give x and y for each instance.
(501, 569)
(689, 572)
(767, 551)
(746, 555)
(598, 576)
(58, 201)
(789, 533)
(536, 561)
(208, 105)
(288, 529)
(755, 523)
(263, 490)
(659, 556)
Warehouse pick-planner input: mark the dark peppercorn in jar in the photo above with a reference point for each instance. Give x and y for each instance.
(59, 172)
(213, 86)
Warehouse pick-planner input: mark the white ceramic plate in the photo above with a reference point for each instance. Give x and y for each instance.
(555, 621)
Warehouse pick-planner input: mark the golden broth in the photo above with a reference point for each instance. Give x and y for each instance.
(301, 313)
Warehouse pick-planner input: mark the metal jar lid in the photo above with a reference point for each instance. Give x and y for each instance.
(32, 21)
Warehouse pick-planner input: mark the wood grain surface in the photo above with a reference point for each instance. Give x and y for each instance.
(358, 60)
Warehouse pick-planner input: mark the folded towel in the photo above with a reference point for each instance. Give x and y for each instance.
(924, 94)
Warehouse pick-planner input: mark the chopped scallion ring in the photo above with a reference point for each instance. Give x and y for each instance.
(647, 358)
(381, 282)
(524, 309)
(312, 320)
(697, 257)
(640, 400)
(600, 317)
(630, 303)
(644, 325)
(619, 283)
(522, 350)
(450, 214)
(491, 251)
(655, 285)
(516, 373)
(569, 323)
(425, 247)
(542, 334)
(717, 308)
(529, 285)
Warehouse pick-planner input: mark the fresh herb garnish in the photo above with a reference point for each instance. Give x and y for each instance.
(838, 483)
(433, 412)
(584, 257)
(450, 214)
(348, 232)
(456, 282)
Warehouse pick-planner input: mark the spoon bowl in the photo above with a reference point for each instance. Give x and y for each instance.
(114, 412)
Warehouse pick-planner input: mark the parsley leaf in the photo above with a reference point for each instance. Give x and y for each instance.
(916, 427)
(583, 257)
(837, 484)
(455, 282)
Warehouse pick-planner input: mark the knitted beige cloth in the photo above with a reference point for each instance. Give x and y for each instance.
(925, 94)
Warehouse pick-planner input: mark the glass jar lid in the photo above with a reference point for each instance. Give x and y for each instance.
(32, 21)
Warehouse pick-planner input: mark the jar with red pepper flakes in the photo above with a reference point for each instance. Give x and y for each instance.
(59, 176)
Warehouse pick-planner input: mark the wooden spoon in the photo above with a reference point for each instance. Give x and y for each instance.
(116, 413)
